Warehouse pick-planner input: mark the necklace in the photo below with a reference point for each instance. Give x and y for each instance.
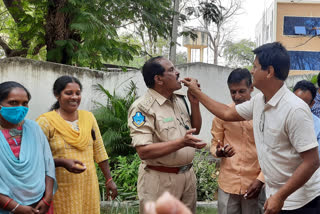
(15, 132)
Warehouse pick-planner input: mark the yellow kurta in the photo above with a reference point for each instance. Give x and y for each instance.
(77, 193)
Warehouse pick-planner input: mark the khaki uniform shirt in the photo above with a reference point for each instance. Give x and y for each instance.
(155, 119)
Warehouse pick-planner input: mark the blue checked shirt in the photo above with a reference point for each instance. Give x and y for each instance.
(316, 122)
(316, 106)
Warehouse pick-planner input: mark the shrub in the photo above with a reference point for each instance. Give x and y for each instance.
(112, 120)
(125, 175)
(205, 170)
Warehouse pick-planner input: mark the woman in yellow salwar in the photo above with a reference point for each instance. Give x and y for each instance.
(76, 143)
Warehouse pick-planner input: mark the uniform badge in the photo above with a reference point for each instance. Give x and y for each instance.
(138, 119)
(168, 119)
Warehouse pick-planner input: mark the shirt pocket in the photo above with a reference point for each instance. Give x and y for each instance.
(167, 130)
(271, 138)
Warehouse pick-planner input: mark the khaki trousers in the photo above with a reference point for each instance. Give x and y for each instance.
(151, 185)
(236, 204)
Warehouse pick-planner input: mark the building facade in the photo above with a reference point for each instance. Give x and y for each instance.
(296, 24)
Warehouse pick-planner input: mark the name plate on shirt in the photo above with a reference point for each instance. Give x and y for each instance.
(168, 119)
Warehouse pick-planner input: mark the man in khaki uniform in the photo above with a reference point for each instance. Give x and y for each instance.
(160, 128)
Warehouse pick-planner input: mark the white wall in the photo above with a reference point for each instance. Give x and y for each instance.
(38, 77)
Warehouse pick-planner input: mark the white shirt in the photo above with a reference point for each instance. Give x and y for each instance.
(283, 128)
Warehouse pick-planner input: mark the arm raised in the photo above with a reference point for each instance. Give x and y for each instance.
(220, 110)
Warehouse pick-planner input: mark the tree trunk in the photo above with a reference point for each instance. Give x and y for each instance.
(174, 33)
(215, 55)
(216, 45)
(151, 43)
(57, 28)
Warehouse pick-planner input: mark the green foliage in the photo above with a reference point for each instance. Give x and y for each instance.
(22, 27)
(239, 54)
(205, 171)
(112, 120)
(86, 31)
(125, 175)
(209, 10)
(314, 80)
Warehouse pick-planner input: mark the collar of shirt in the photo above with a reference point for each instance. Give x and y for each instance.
(159, 98)
(277, 96)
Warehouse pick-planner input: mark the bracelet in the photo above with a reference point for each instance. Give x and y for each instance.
(14, 209)
(6, 204)
(44, 201)
(108, 181)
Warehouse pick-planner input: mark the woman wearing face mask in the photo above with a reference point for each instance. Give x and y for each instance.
(27, 171)
(76, 143)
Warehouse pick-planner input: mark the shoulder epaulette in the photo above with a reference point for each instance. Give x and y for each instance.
(147, 102)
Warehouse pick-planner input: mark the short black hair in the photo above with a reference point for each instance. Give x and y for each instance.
(275, 55)
(305, 85)
(150, 69)
(6, 88)
(239, 74)
(60, 84)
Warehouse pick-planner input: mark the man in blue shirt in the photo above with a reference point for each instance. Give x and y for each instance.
(307, 92)
(315, 109)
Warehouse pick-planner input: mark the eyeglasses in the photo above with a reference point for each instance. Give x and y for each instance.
(261, 124)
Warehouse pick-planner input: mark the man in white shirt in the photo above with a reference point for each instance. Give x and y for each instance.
(283, 130)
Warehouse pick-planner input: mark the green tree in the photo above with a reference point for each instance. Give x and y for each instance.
(79, 32)
(239, 54)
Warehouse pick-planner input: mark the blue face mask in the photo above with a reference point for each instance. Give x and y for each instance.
(14, 114)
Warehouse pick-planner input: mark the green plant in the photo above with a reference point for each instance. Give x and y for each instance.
(112, 120)
(205, 170)
(77, 32)
(314, 80)
(125, 175)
